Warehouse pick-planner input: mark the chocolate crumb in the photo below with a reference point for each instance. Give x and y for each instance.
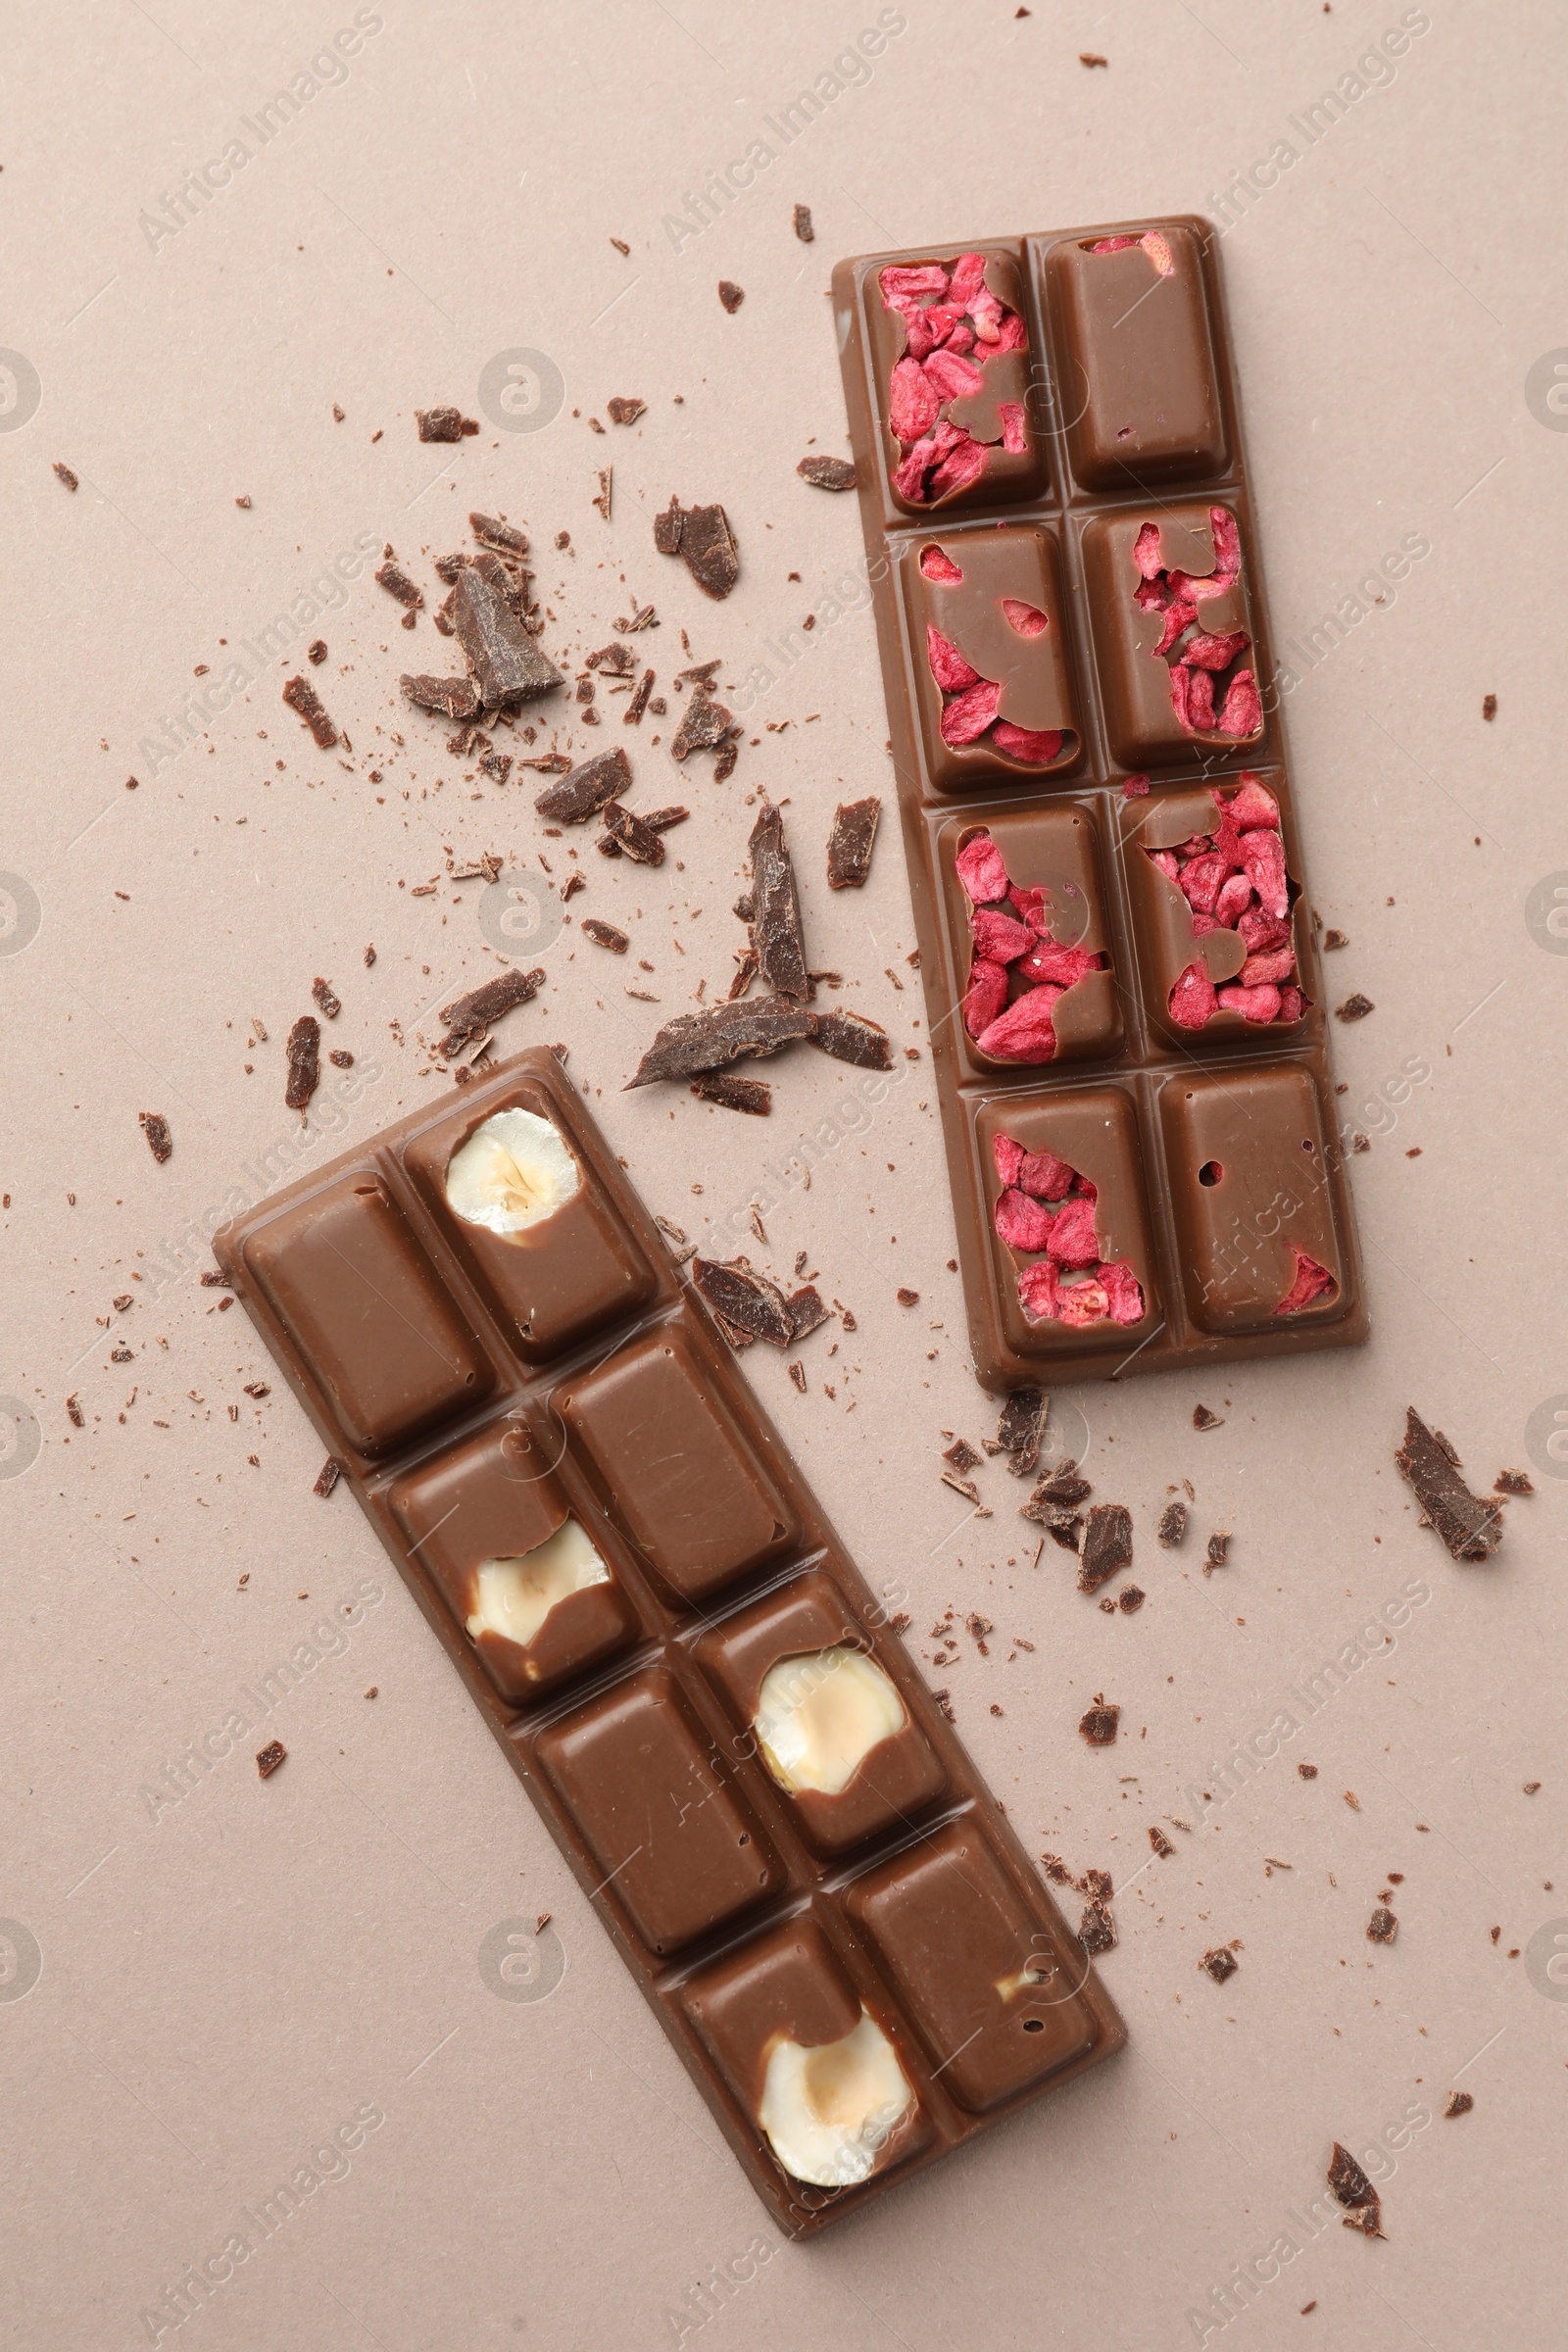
(849, 844)
(803, 223)
(471, 1017)
(625, 409)
(744, 1301)
(1220, 1963)
(69, 479)
(331, 1004)
(397, 583)
(798, 1376)
(703, 538)
(731, 1093)
(1489, 702)
(1158, 1841)
(731, 295)
(444, 424)
(1512, 1482)
(1459, 2101)
(155, 1127)
(452, 698)
(270, 1757)
(961, 1455)
(807, 1311)
(1203, 1418)
(1382, 1927)
(1218, 1552)
(340, 1058)
(1355, 1008)
(1172, 1525)
(827, 473)
(1131, 1598)
(1308, 1772)
(1099, 1722)
(605, 935)
(908, 1298)
(1336, 939)
(304, 1061)
(327, 1476)
(1097, 1930)
(301, 696)
(1108, 1545)
(1351, 2187)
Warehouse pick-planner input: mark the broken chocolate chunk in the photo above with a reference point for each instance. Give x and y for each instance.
(849, 1036)
(1351, 2186)
(155, 1127)
(659, 820)
(301, 696)
(961, 1457)
(1108, 1545)
(1021, 1428)
(322, 991)
(1172, 1525)
(1159, 1842)
(695, 1042)
(270, 1757)
(70, 481)
(1514, 1482)
(745, 1299)
(1203, 1418)
(734, 1094)
(586, 789)
(506, 664)
(398, 583)
(777, 933)
(452, 698)
(731, 295)
(703, 538)
(632, 834)
(705, 726)
(849, 844)
(747, 965)
(1460, 2102)
(962, 1485)
(502, 538)
(1489, 702)
(1220, 1963)
(304, 1061)
(632, 715)
(1470, 1526)
(605, 935)
(1098, 1724)
(807, 1311)
(1130, 1599)
(625, 409)
(803, 223)
(444, 424)
(1218, 1552)
(1336, 939)
(1355, 1008)
(1382, 1927)
(1097, 1930)
(827, 473)
(474, 1016)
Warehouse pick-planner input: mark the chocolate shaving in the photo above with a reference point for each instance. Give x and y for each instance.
(625, 410)
(803, 223)
(304, 1061)
(827, 473)
(72, 483)
(1470, 1526)
(632, 835)
(1220, 1963)
(506, 664)
(1097, 1930)
(1108, 1545)
(804, 1307)
(155, 1127)
(703, 538)
(1382, 1927)
(697, 1041)
(270, 1757)
(444, 424)
(962, 1485)
(659, 820)
(1219, 1547)
(605, 935)
(1351, 2186)
(301, 696)
(632, 715)
(849, 845)
(327, 1476)
(474, 1016)
(618, 659)
(731, 295)
(1460, 2102)
(1172, 1525)
(777, 933)
(1514, 1482)
(705, 726)
(586, 789)
(735, 1093)
(1157, 1838)
(744, 1300)
(1021, 1428)
(502, 537)
(452, 698)
(1203, 1418)
(326, 998)
(960, 1457)
(1098, 1724)
(398, 583)
(1355, 1008)
(747, 965)
(849, 1036)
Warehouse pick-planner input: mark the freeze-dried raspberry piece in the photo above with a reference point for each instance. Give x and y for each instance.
(938, 566)
(1243, 712)
(1123, 1292)
(1025, 1031)
(1202, 879)
(1072, 1241)
(913, 401)
(1204, 922)
(1192, 1000)
(997, 939)
(964, 464)
(1145, 552)
(899, 279)
(1027, 619)
(1039, 1287)
(1009, 1157)
(1014, 431)
(969, 714)
(1066, 966)
(1041, 1175)
(1165, 859)
(1214, 653)
(1233, 902)
(1260, 1003)
(1023, 1223)
(1192, 690)
(1276, 965)
(1080, 1303)
(1227, 555)
(951, 673)
(1249, 806)
(1113, 244)
(1261, 930)
(954, 377)
(1159, 252)
(1312, 1281)
(988, 994)
(938, 321)
(1038, 746)
(968, 277)
(1262, 855)
(1293, 1005)
(1031, 906)
(1135, 788)
(980, 868)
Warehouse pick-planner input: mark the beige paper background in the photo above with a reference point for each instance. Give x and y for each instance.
(226, 1979)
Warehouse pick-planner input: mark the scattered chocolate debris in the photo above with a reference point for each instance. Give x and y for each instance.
(1021, 1428)
(798, 1375)
(1158, 1841)
(849, 845)
(1088, 57)
(1489, 702)
(398, 583)
(1218, 1552)
(474, 1016)
(962, 1485)
(155, 1127)
(632, 835)
(776, 932)
(69, 479)
(803, 223)
(807, 1312)
(1098, 1724)
(907, 1297)
(1220, 1963)
(301, 696)
(1203, 1418)
(632, 715)
(703, 538)
(695, 1042)
(961, 1457)
(731, 295)
(1108, 1545)
(1459, 2101)
(1382, 1927)
(827, 473)
(506, 664)
(744, 1301)
(270, 1757)
(1355, 1008)
(257, 1388)
(625, 409)
(605, 935)
(586, 789)
(1468, 1525)
(1333, 938)
(1512, 1482)
(705, 726)
(329, 1002)
(77, 1418)
(304, 1061)
(606, 483)
(453, 697)
(1308, 1772)
(747, 965)
(849, 1036)
(1097, 1930)
(502, 538)
(444, 424)
(1131, 1600)
(1172, 1525)
(730, 1093)
(1351, 2187)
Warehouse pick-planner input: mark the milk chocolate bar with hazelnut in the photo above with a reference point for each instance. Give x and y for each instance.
(707, 1704)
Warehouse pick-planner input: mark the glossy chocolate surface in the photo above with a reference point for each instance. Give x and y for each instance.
(1130, 529)
(758, 1913)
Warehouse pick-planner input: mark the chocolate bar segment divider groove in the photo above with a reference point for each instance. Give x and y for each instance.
(740, 1913)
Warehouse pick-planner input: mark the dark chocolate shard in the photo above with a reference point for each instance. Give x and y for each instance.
(618, 659)
(1460, 2102)
(1355, 1008)
(960, 1457)
(1514, 1482)
(625, 409)
(1470, 1526)
(632, 835)
(1064, 1486)
(155, 1127)
(1097, 1930)
(827, 473)
(327, 1476)
(1021, 1428)
(1203, 1418)
(585, 789)
(731, 295)
(1382, 1927)
(1349, 2181)
(745, 1299)
(1059, 1518)
(398, 583)
(304, 1061)
(1219, 1547)
(1158, 1841)
(1220, 1963)
(734, 1094)
(506, 664)
(695, 1042)
(444, 424)
(962, 1485)
(776, 932)
(632, 715)
(702, 536)
(471, 1017)
(849, 845)
(803, 223)
(659, 820)
(1098, 1724)
(667, 528)
(1172, 1525)
(452, 698)
(502, 537)
(747, 965)
(705, 726)
(805, 1309)
(1108, 1545)
(327, 997)
(1129, 1599)
(605, 935)
(270, 1757)
(301, 696)
(851, 1037)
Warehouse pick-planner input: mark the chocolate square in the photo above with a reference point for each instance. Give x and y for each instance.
(1141, 388)
(1018, 563)
(1135, 681)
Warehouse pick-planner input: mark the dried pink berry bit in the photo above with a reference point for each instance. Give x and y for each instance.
(938, 566)
(1069, 1281)
(969, 701)
(1014, 956)
(1234, 879)
(1153, 243)
(1214, 688)
(954, 324)
(1311, 1281)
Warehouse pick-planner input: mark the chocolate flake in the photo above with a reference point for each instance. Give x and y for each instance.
(1021, 1428)
(1097, 1930)
(776, 932)
(703, 538)
(731, 295)
(1351, 2186)
(849, 844)
(1382, 1927)
(1355, 1008)
(270, 1757)
(632, 835)
(744, 1300)
(586, 789)
(69, 479)
(1218, 1552)
(1460, 2102)
(1108, 1545)
(502, 538)
(1131, 1600)
(805, 1306)
(1489, 702)
(304, 1061)
(730, 1093)
(803, 223)
(962, 1485)
(1100, 1722)
(322, 991)
(452, 698)
(697, 1041)
(1469, 1526)
(506, 664)
(1336, 939)
(747, 965)
(625, 409)
(398, 583)
(1157, 1838)
(1172, 1525)
(605, 935)
(827, 473)
(444, 424)
(301, 696)
(1220, 1963)
(1203, 1418)
(705, 726)
(849, 1036)
(474, 1016)
(632, 715)
(155, 1127)
(961, 1457)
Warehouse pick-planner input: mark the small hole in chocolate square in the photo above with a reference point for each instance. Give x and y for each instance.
(1210, 1172)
